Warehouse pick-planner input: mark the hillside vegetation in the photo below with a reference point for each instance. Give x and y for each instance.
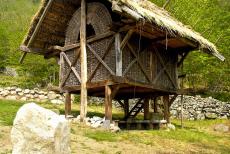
(209, 17)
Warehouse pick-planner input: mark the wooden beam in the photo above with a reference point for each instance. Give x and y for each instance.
(146, 109)
(118, 54)
(165, 68)
(67, 104)
(103, 57)
(182, 59)
(71, 66)
(83, 57)
(139, 63)
(108, 103)
(90, 40)
(126, 39)
(166, 108)
(126, 107)
(100, 60)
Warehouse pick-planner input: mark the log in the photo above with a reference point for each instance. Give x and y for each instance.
(83, 58)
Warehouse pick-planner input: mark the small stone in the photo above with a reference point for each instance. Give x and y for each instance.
(210, 115)
(56, 101)
(18, 90)
(23, 99)
(221, 128)
(13, 92)
(26, 91)
(20, 93)
(11, 97)
(171, 126)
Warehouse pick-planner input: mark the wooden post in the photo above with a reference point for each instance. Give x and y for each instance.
(155, 105)
(67, 104)
(126, 107)
(108, 103)
(118, 54)
(146, 109)
(166, 108)
(83, 58)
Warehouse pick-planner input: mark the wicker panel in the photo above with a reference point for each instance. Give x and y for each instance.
(99, 18)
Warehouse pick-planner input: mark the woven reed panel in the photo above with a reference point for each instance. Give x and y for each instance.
(99, 18)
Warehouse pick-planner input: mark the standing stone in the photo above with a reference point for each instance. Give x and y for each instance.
(39, 131)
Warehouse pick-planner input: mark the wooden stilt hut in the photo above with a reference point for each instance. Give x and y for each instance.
(116, 49)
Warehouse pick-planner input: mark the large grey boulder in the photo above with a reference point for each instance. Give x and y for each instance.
(39, 131)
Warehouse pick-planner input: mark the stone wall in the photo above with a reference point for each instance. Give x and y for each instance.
(14, 93)
(198, 108)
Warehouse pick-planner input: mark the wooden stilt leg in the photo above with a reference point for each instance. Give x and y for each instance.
(108, 103)
(146, 109)
(83, 58)
(67, 104)
(155, 105)
(166, 108)
(126, 107)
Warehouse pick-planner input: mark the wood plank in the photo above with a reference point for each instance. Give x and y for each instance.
(99, 59)
(83, 58)
(103, 57)
(118, 54)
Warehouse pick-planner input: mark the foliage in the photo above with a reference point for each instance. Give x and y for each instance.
(211, 19)
(15, 17)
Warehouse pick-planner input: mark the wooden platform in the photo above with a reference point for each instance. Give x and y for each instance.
(126, 88)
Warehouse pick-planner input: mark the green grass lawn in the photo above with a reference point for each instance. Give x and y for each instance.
(196, 134)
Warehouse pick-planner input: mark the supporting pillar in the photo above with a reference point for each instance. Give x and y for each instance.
(166, 108)
(83, 58)
(155, 105)
(146, 109)
(126, 107)
(67, 104)
(108, 103)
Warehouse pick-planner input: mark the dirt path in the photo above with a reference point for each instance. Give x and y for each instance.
(5, 144)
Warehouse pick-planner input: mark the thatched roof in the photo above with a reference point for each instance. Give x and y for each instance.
(55, 14)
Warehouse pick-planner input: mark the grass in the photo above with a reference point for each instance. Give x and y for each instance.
(196, 134)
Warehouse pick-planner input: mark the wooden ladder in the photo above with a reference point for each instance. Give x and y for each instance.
(135, 110)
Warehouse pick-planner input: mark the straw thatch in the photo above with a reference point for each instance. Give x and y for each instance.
(52, 30)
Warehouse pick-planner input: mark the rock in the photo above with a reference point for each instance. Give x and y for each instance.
(96, 124)
(23, 98)
(10, 71)
(20, 93)
(51, 95)
(200, 116)
(210, 115)
(171, 127)
(5, 93)
(224, 117)
(57, 101)
(13, 92)
(221, 128)
(11, 97)
(18, 90)
(26, 91)
(38, 130)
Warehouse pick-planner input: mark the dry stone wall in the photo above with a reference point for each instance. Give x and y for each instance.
(198, 108)
(14, 93)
